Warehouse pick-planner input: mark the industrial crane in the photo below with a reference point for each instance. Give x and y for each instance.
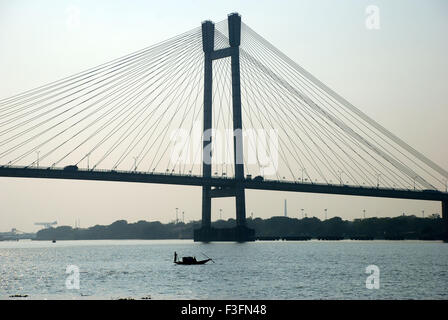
(46, 224)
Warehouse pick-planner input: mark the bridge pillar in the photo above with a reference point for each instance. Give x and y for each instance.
(241, 232)
(208, 36)
(234, 25)
(445, 218)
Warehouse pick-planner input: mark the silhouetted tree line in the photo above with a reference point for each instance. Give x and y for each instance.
(402, 227)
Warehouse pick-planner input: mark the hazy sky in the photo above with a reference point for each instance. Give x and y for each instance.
(396, 74)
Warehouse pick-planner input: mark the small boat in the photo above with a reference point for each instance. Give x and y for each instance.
(190, 260)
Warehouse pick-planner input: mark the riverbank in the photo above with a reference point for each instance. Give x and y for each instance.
(275, 228)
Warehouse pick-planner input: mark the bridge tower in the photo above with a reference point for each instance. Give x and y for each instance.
(206, 232)
(445, 217)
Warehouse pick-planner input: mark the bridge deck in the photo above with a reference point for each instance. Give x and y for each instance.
(189, 180)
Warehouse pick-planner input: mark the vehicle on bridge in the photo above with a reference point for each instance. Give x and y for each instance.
(258, 179)
(431, 191)
(71, 168)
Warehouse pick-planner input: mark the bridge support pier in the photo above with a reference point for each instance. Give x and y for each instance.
(208, 30)
(240, 232)
(445, 218)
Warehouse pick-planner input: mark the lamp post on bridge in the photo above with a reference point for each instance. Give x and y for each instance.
(303, 170)
(340, 176)
(88, 162)
(135, 163)
(37, 163)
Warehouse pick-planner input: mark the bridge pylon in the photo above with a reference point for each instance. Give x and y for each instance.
(241, 232)
(445, 218)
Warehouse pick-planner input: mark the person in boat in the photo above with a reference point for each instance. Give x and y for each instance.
(190, 260)
(184, 258)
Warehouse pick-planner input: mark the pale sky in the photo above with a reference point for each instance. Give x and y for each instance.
(397, 75)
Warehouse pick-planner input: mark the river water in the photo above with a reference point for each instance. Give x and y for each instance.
(114, 269)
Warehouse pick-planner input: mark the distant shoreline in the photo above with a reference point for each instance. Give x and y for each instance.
(279, 239)
(275, 228)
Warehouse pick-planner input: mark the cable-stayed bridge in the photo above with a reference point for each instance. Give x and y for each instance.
(217, 107)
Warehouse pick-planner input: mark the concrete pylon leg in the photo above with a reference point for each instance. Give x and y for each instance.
(240, 202)
(234, 22)
(445, 218)
(206, 208)
(208, 35)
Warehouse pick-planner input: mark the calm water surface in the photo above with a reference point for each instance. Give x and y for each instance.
(112, 269)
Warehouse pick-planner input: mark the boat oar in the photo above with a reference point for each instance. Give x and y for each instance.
(208, 257)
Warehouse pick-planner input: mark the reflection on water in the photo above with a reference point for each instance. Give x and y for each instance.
(142, 269)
